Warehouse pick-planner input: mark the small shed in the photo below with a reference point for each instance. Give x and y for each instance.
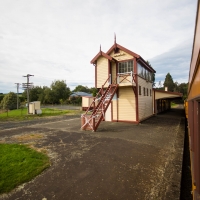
(34, 108)
(87, 101)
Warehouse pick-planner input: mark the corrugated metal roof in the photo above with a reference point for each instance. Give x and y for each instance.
(80, 94)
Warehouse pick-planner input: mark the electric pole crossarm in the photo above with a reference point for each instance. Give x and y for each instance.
(27, 86)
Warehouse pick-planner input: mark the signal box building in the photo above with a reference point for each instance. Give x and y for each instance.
(124, 80)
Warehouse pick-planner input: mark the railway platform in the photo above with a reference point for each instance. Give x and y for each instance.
(119, 161)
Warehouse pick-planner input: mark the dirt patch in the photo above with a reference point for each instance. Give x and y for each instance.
(28, 137)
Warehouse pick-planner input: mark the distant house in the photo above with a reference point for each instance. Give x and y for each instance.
(80, 94)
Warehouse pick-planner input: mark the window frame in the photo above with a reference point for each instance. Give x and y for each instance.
(125, 67)
(140, 92)
(144, 91)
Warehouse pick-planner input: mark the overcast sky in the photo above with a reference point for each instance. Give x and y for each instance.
(57, 39)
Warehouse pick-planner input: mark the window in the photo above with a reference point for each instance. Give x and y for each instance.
(144, 90)
(144, 73)
(125, 67)
(140, 90)
(140, 70)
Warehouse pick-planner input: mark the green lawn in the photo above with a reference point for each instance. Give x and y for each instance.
(21, 114)
(173, 104)
(19, 164)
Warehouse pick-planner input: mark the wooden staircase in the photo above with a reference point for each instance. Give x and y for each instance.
(104, 98)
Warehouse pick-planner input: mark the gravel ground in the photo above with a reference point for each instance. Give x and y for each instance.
(119, 161)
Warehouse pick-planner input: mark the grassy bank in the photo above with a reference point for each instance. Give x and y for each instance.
(21, 114)
(19, 164)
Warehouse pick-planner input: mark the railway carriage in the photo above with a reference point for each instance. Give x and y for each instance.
(192, 107)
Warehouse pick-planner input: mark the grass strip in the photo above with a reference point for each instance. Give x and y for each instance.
(19, 164)
(21, 115)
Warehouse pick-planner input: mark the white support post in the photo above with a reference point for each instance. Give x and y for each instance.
(131, 77)
(117, 78)
(109, 79)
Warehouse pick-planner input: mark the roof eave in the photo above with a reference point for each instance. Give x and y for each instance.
(123, 49)
(147, 65)
(101, 53)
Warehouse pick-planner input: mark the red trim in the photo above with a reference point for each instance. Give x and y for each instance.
(167, 92)
(116, 68)
(109, 68)
(101, 53)
(123, 49)
(131, 53)
(146, 64)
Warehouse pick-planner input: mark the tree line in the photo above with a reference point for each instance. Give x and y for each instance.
(173, 86)
(57, 93)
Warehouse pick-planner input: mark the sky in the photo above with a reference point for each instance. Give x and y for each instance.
(56, 40)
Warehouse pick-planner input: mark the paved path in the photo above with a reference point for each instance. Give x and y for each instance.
(119, 161)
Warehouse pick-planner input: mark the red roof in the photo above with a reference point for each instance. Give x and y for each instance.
(123, 49)
(106, 55)
(101, 53)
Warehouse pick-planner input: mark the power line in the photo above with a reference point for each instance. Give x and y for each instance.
(27, 86)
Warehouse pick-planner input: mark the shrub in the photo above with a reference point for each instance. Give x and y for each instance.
(9, 101)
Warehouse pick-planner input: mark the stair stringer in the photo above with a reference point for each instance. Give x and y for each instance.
(91, 122)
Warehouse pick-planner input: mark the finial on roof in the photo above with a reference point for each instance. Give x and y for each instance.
(114, 38)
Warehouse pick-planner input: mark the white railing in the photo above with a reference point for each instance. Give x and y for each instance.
(128, 76)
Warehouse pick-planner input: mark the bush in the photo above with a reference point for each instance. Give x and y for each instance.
(9, 101)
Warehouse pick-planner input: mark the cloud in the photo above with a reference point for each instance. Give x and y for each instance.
(176, 62)
(56, 40)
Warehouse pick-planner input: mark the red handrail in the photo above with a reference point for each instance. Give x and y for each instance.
(93, 102)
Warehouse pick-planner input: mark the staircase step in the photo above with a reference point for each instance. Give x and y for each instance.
(103, 103)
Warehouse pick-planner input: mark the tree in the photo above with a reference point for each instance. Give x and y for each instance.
(93, 91)
(59, 90)
(1, 97)
(48, 96)
(182, 88)
(169, 83)
(34, 93)
(81, 88)
(9, 101)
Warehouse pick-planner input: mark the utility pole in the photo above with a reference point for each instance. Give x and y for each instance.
(17, 95)
(27, 86)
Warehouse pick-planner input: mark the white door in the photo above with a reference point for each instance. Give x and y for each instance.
(108, 113)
